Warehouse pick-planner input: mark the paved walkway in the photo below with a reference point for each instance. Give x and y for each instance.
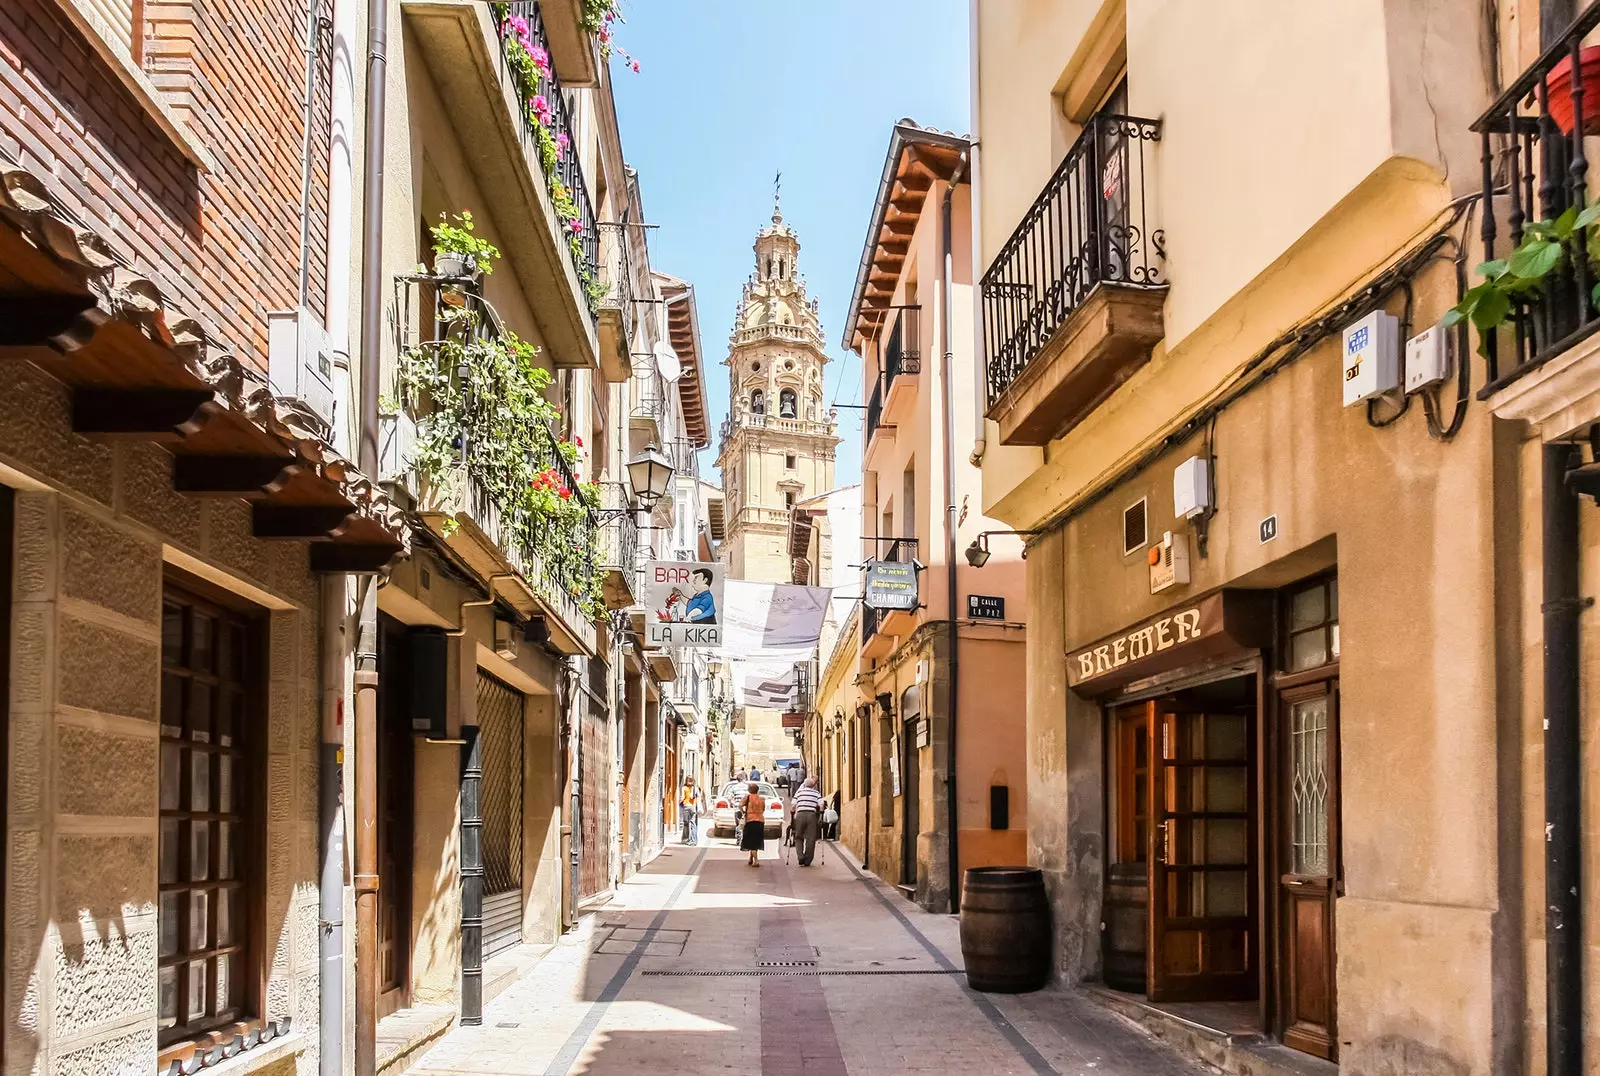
(703, 966)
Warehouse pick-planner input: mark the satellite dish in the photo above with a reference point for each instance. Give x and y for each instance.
(667, 363)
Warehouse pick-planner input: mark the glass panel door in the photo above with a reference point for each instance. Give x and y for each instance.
(1201, 907)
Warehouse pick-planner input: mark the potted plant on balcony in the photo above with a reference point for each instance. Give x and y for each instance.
(1520, 276)
(1559, 82)
(459, 253)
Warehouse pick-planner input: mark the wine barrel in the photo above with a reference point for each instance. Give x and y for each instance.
(1005, 929)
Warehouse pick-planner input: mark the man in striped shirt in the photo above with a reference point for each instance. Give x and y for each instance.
(807, 820)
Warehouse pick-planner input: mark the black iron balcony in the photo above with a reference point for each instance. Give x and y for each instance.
(546, 123)
(619, 546)
(902, 354)
(1533, 159)
(1087, 247)
(616, 302)
(874, 410)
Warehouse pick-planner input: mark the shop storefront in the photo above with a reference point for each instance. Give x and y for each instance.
(1221, 807)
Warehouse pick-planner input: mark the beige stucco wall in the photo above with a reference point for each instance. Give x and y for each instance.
(96, 526)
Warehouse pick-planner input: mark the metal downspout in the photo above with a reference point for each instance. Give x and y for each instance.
(952, 592)
(1563, 801)
(980, 393)
(366, 676)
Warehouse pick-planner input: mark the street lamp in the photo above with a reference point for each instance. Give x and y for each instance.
(650, 473)
(978, 551)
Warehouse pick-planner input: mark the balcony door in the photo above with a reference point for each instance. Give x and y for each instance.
(1112, 160)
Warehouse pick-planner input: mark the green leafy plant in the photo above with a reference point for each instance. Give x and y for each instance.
(482, 414)
(1520, 276)
(459, 238)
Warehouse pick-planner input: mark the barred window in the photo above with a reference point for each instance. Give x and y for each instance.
(210, 815)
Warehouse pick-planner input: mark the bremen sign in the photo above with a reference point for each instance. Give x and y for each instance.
(683, 603)
(1212, 626)
(891, 584)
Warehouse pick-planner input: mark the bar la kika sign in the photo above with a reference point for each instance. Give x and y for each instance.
(1163, 642)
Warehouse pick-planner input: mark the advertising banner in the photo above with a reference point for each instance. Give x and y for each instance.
(683, 603)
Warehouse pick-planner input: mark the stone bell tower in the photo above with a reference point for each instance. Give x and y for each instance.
(778, 442)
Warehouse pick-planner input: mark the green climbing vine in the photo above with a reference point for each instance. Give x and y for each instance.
(480, 408)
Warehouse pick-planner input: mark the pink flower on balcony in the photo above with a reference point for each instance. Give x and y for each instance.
(541, 59)
(635, 66)
(562, 142)
(575, 226)
(541, 108)
(578, 441)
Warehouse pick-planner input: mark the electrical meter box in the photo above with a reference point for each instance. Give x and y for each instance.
(1428, 358)
(1371, 357)
(1169, 562)
(1191, 490)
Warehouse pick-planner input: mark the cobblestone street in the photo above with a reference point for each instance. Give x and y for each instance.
(701, 966)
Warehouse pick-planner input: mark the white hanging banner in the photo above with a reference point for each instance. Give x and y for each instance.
(767, 683)
(763, 617)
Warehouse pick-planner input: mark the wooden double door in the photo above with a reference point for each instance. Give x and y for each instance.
(1184, 914)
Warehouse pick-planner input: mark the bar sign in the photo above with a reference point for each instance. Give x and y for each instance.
(985, 607)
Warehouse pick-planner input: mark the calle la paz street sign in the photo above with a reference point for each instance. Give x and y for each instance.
(683, 603)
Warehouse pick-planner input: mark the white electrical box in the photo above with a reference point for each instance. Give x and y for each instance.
(1428, 358)
(1169, 562)
(1191, 488)
(1371, 357)
(300, 360)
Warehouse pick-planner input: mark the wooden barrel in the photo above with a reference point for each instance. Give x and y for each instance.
(1005, 929)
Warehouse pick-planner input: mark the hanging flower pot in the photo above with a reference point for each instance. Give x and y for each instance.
(451, 265)
(1560, 89)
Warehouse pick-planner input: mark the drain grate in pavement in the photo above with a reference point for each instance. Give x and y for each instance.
(758, 972)
(786, 963)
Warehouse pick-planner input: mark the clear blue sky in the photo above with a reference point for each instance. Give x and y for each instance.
(729, 93)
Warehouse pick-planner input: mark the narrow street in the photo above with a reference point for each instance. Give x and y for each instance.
(701, 966)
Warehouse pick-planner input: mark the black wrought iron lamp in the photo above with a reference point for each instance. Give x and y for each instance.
(978, 551)
(650, 476)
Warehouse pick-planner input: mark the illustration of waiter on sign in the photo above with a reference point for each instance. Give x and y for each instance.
(697, 607)
(685, 603)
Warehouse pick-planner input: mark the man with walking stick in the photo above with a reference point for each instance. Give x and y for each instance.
(807, 820)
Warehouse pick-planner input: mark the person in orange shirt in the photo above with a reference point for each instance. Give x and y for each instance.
(755, 826)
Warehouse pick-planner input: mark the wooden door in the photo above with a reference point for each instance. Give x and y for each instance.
(1308, 850)
(1127, 892)
(394, 820)
(910, 804)
(1202, 914)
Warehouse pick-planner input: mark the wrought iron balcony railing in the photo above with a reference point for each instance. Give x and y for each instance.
(616, 272)
(1089, 226)
(902, 354)
(619, 538)
(874, 410)
(546, 125)
(1533, 158)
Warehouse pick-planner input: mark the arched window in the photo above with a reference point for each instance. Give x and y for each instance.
(786, 404)
(758, 402)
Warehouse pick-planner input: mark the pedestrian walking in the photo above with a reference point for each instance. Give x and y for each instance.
(807, 820)
(830, 817)
(755, 773)
(755, 825)
(742, 775)
(689, 809)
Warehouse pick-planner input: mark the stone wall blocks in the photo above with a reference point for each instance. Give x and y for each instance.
(103, 879)
(280, 790)
(106, 670)
(34, 547)
(99, 773)
(27, 760)
(145, 494)
(98, 979)
(33, 634)
(132, 1054)
(230, 539)
(36, 431)
(284, 644)
(104, 564)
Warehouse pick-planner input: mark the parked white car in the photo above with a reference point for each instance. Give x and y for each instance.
(725, 809)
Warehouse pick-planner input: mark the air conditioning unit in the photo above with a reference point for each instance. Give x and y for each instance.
(300, 360)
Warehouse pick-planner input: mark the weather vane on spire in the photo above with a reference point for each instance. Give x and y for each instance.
(777, 190)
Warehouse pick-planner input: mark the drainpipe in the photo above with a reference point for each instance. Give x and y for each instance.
(952, 592)
(980, 393)
(366, 676)
(332, 876)
(1563, 933)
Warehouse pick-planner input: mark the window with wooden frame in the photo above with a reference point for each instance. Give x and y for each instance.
(210, 816)
(1310, 618)
(1130, 784)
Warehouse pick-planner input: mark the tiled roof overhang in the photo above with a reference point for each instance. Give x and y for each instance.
(143, 371)
(918, 157)
(683, 331)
